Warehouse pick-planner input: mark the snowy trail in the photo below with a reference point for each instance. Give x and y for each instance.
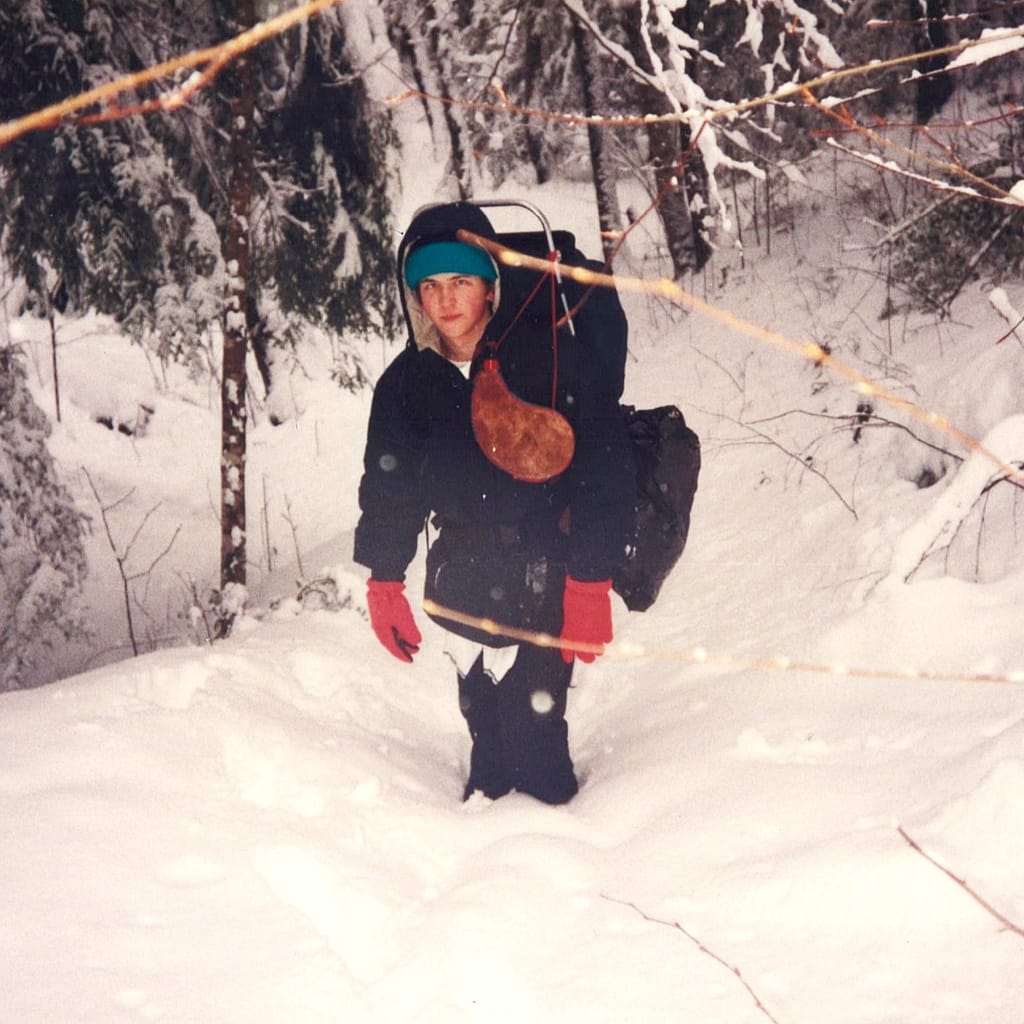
(270, 830)
(284, 817)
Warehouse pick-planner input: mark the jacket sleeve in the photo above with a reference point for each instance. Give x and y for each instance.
(602, 477)
(391, 500)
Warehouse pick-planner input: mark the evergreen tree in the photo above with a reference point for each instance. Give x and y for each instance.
(42, 562)
(132, 214)
(259, 206)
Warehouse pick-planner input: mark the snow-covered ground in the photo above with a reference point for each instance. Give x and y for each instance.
(269, 829)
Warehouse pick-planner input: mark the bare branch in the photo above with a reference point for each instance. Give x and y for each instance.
(872, 420)
(290, 520)
(212, 60)
(804, 462)
(121, 557)
(158, 558)
(732, 968)
(1002, 919)
(841, 114)
(1012, 331)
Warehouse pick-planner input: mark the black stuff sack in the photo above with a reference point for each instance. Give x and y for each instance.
(666, 453)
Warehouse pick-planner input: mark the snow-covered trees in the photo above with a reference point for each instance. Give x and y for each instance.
(102, 205)
(677, 59)
(132, 212)
(41, 556)
(260, 206)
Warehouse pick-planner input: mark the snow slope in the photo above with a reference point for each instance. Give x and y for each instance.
(270, 829)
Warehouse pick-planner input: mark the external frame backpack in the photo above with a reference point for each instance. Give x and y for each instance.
(666, 452)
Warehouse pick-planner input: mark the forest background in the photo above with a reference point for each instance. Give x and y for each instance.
(223, 209)
(802, 771)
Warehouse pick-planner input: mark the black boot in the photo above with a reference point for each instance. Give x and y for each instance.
(478, 702)
(534, 733)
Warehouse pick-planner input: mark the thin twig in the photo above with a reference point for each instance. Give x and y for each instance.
(853, 420)
(1012, 330)
(1004, 921)
(732, 968)
(841, 114)
(290, 520)
(804, 462)
(121, 556)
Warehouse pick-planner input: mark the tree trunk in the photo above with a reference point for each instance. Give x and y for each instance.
(591, 79)
(457, 134)
(236, 335)
(421, 41)
(683, 188)
(533, 57)
(931, 31)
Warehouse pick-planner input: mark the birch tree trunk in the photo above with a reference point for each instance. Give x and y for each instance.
(236, 334)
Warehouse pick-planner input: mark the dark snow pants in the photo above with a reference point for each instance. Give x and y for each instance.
(512, 575)
(520, 736)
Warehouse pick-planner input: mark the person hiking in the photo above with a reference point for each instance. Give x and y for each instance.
(530, 551)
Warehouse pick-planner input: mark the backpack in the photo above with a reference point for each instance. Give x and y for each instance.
(666, 452)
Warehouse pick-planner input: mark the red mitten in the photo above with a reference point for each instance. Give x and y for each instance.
(587, 616)
(391, 618)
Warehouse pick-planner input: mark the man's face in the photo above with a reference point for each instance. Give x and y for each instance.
(459, 306)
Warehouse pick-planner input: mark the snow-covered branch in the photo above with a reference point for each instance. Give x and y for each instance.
(1003, 445)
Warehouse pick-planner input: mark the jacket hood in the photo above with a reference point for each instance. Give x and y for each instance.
(435, 223)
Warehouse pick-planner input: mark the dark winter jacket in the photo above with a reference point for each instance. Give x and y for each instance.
(421, 455)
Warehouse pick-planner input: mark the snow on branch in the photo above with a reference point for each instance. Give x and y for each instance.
(787, 92)
(1014, 197)
(991, 45)
(945, 19)
(937, 527)
(620, 53)
(982, 188)
(691, 105)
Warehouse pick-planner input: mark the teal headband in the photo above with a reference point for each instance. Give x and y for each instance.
(447, 258)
